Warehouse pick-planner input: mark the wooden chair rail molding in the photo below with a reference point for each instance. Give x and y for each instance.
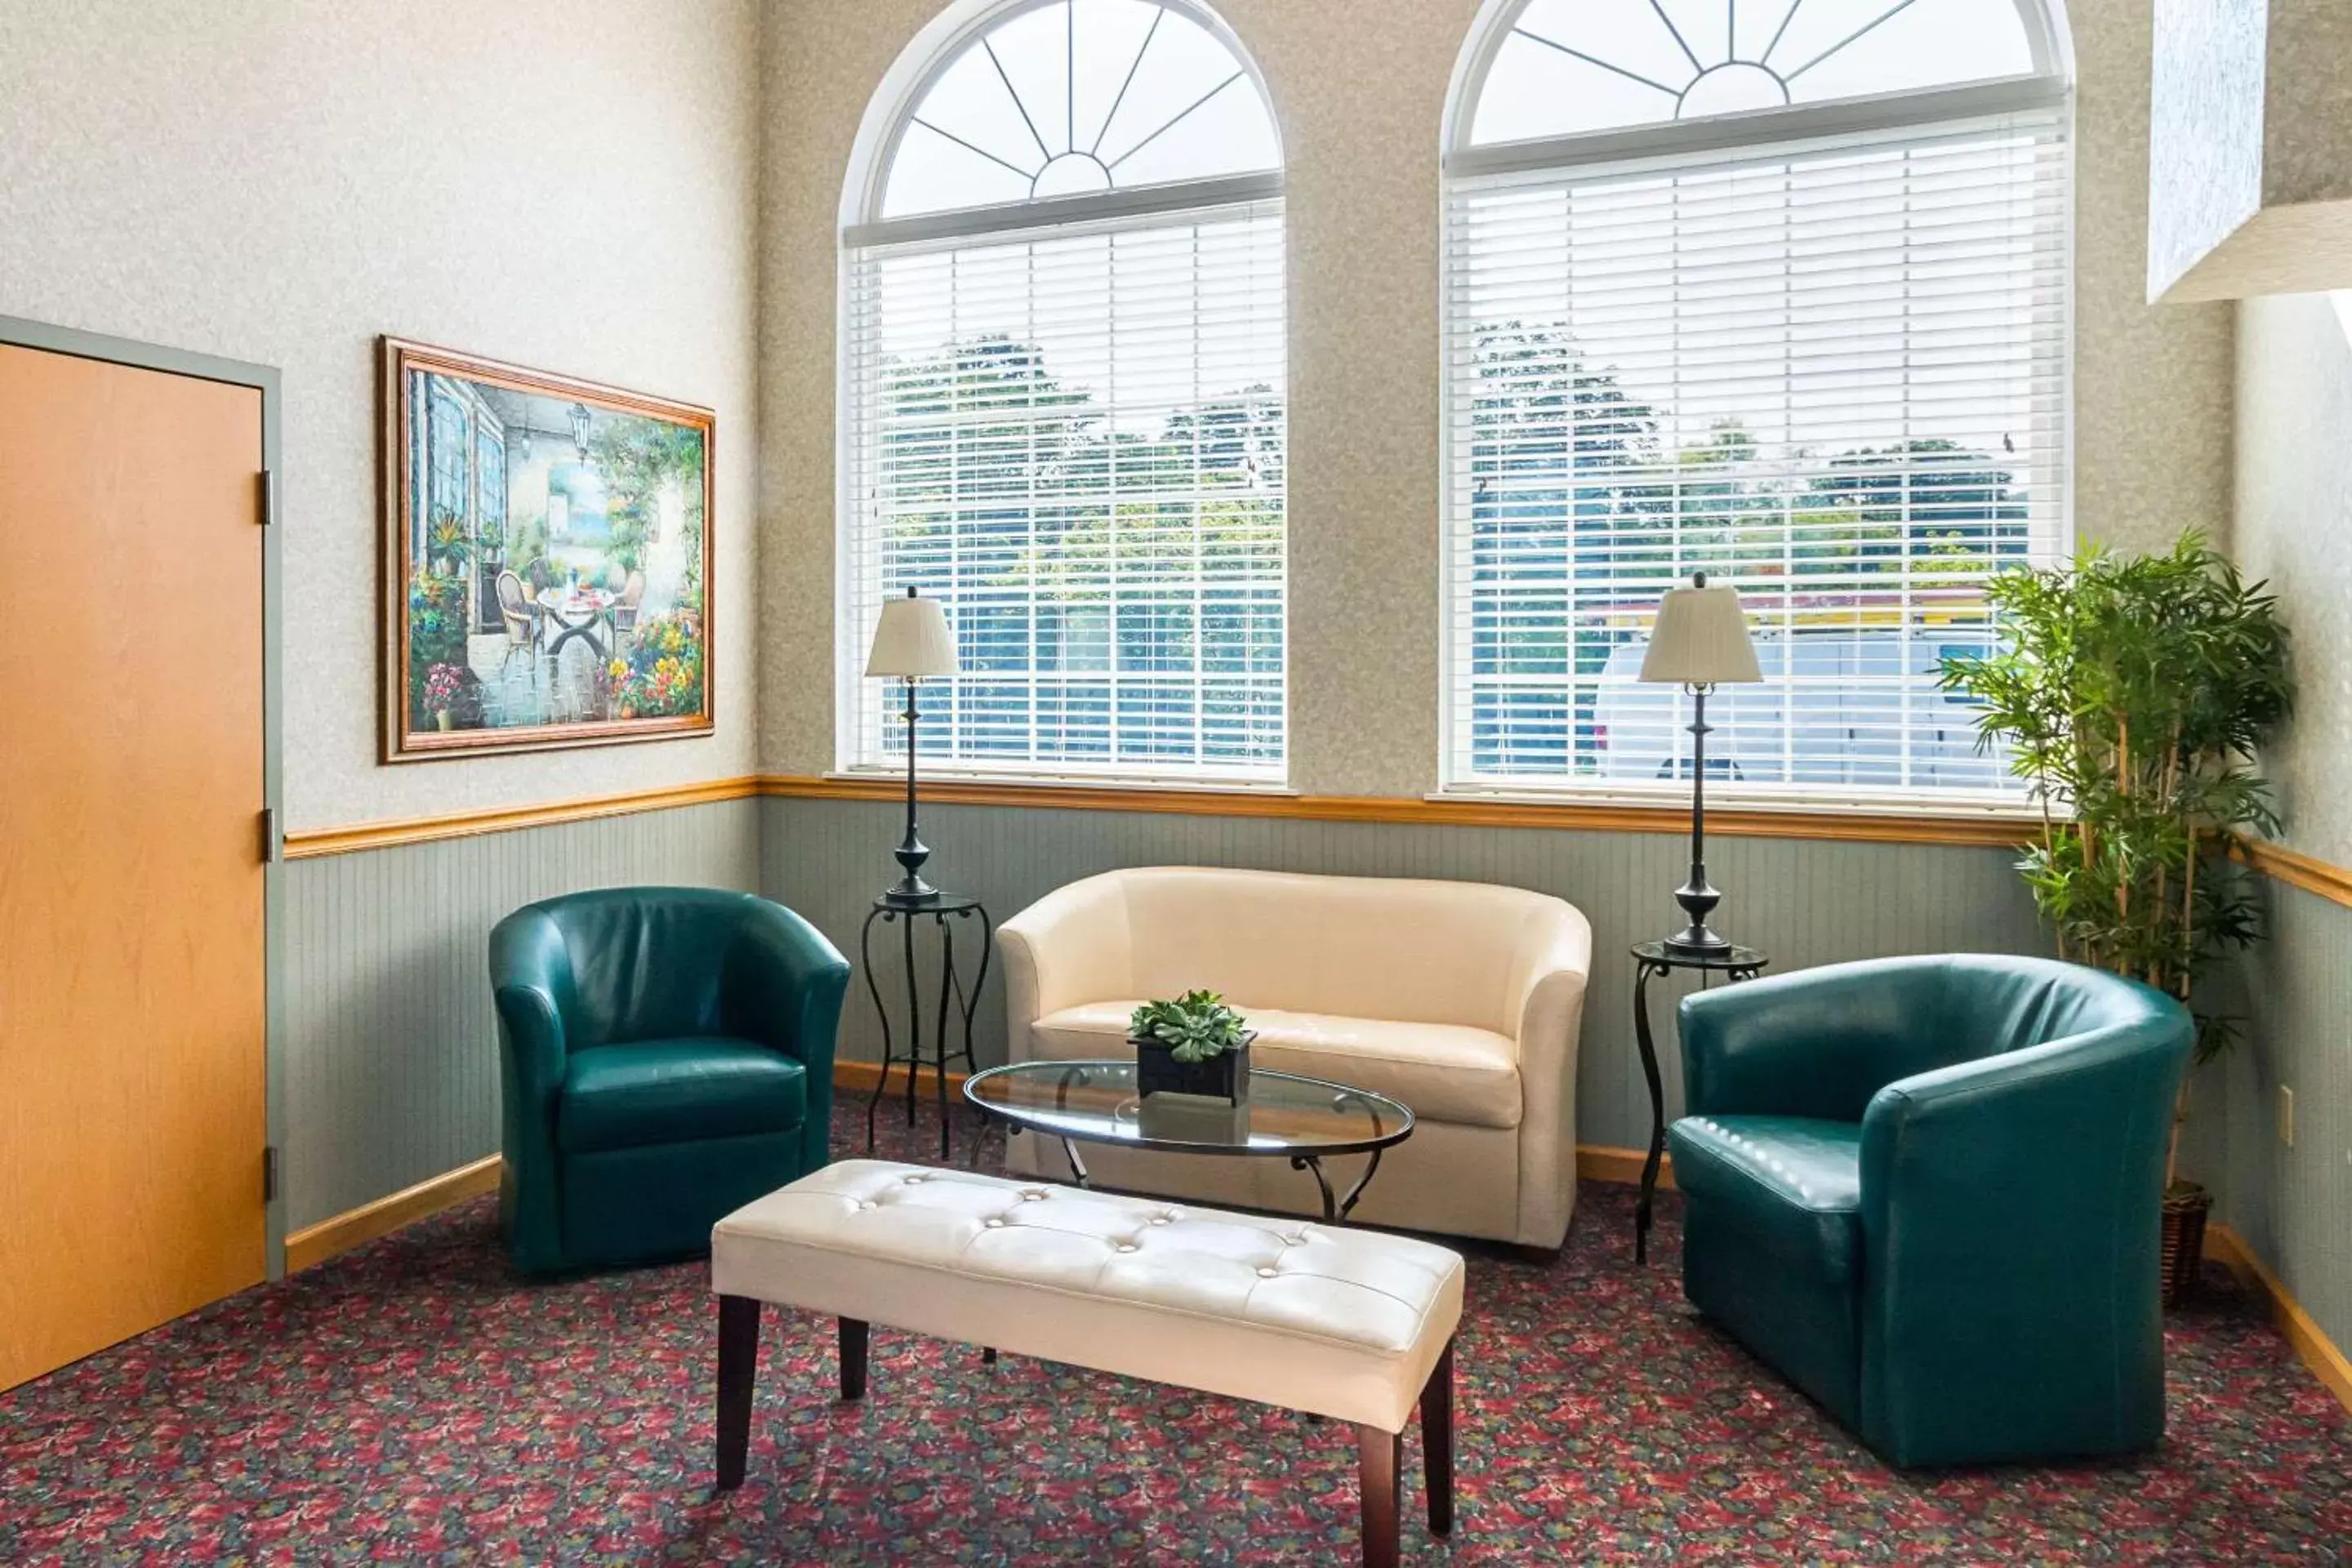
(309, 843)
(1981, 830)
(1964, 830)
(2297, 869)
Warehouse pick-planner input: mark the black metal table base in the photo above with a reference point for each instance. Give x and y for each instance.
(1654, 959)
(1336, 1209)
(966, 1002)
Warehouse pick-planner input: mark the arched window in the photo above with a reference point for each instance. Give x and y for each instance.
(1778, 290)
(1065, 401)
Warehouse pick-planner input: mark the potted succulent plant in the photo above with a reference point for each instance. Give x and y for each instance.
(2135, 694)
(1194, 1045)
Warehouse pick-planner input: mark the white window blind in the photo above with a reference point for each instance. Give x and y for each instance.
(1834, 374)
(1074, 437)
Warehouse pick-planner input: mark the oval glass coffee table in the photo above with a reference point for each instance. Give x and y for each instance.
(1303, 1119)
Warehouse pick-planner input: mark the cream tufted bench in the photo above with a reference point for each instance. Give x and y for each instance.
(1349, 1324)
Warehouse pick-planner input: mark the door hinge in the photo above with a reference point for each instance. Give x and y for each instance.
(269, 1174)
(269, 835)
(268, 498)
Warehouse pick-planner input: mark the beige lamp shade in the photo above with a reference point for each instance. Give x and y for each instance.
(912, 642)
(1701, 638)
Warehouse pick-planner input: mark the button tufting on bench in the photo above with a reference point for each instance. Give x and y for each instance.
(1361, 1330)
(1350, 1334)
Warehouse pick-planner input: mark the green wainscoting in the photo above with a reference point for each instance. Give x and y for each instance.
(1805, 902)
(392, 1049)
(391, 1063)
(2292, 1206)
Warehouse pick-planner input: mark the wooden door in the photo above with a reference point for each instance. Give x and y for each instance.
(131, 991)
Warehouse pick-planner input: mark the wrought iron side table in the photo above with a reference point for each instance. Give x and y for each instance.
(1654, 958)
(951, 987)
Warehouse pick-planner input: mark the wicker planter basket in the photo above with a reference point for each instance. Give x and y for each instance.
(2184, 1241)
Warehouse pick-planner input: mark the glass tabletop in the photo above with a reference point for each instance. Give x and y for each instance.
(1095, 1102)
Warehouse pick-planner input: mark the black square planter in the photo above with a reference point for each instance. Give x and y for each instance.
(1222, 1077)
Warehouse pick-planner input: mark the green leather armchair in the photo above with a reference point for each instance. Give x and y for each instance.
(666, 1056)
(1926, 1190)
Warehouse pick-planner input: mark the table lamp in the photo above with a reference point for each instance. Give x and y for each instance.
(1700, 642)
(911, 643)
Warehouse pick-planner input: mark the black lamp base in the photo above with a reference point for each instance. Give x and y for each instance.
(1697, 896)
(1698, 941)
(910, 892)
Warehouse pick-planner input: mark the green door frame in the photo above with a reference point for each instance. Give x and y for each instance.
(20, 333)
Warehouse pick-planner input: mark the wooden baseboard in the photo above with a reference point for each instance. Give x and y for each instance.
(1603, 1162)
(864, 1075)
(1594, 1162)
(317, 1243)
(2318, 1352)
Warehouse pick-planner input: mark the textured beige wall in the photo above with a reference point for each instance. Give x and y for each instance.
(2294, 527)
(1360, 91)
(565, 185)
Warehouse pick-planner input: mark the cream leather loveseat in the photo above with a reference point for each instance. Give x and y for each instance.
(1460, 999)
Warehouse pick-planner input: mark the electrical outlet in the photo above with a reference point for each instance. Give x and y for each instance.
(2286, 1115)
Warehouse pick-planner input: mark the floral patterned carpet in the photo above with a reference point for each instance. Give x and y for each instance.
(413, 1402)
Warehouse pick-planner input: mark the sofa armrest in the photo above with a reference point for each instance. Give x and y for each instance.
(2018, 1193)
(531, 976)
(1071, 946)
(1814, 1042)
(1550, 1014)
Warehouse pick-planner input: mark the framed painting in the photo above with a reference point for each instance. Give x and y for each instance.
(546, 551)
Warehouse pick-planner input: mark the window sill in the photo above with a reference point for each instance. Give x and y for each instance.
(1916, 819)
(1734, 799)
(933, 781)
(1981, 827)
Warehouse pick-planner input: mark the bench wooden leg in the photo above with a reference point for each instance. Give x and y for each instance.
(738, 1368)
(1437, 1442)
(1378, 1454)
(853, 1358)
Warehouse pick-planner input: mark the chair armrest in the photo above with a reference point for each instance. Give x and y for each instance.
(782, 985)
(1551, 1016)
(1071, 946)
(2019, 1190)
(530, 978)
(1815, 1042)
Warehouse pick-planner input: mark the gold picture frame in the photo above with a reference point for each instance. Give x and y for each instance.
(546, 548)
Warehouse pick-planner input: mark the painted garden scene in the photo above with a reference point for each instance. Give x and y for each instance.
(545, 550)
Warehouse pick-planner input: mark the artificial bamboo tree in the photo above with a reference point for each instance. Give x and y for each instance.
(2133, 695)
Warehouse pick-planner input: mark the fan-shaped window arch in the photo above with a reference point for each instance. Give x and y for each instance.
(1064, 399)
(1777, 290)
(1561, 68)
(1076, 97)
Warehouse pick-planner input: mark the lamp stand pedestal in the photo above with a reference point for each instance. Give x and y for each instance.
(910, 892)
(1696, 896)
